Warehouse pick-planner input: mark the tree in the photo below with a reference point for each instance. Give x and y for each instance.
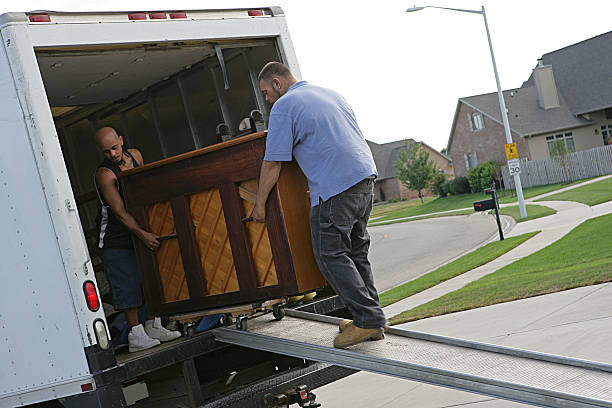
(414, 169)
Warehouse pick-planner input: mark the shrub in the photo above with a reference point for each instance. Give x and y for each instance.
(463, 186)
(481, 176)
(438, 183)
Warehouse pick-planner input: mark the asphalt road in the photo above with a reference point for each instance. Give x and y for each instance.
(401, 252)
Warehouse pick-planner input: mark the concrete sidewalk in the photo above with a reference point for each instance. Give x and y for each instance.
(554, 227)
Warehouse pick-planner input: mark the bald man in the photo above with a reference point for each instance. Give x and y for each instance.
(116, 227)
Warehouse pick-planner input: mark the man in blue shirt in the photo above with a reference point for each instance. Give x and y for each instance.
(317, 127)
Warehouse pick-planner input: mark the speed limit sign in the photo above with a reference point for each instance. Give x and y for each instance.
(514, 167)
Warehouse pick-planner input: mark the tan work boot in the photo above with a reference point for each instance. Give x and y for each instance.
(352, 335)
(344, 323)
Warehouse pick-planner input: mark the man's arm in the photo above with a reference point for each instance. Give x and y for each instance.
(268, 176)
(107, 183)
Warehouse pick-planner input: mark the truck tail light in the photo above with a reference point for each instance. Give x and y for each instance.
(178, 14)
(101, 334)
(87, 387)
(91, 296)
(39, 18)
(137, 16)
(256, 13)
(157, 16)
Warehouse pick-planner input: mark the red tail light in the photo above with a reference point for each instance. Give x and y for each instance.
(137, 16)
(86, 387)
(93, 303)
(178, 14)
(256, 13)
(157, 16)
(39, 18)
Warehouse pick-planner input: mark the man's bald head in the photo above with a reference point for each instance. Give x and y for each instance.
(110, 144)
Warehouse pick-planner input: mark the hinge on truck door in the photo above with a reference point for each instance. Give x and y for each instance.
(70, 205)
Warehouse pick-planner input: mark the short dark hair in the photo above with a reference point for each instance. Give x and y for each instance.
(272, 69)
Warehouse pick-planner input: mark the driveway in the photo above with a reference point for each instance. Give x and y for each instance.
(401, 252)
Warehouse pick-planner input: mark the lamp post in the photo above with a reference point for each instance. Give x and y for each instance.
(502, 104)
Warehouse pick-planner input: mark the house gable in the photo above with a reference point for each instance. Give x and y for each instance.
(469, 147)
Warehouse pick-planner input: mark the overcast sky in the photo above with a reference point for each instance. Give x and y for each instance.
(403, 72)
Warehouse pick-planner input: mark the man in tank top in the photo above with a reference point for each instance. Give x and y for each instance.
(116, 226)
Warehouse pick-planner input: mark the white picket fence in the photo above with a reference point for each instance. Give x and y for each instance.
(579, 165)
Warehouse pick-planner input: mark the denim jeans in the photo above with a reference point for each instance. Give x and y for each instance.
(341, 242)
(122, 273)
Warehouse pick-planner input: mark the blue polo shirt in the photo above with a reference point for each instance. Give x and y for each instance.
(317, 127)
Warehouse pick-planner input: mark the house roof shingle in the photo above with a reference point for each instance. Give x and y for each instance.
(582, 73)
(386, 154)
(524, 113)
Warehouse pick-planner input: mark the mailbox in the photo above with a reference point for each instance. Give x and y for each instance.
(484, 205)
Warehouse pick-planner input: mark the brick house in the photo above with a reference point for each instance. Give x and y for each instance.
(568, 97)
(387, 184)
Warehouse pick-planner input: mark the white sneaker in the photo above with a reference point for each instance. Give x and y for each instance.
(139, 340)
(155, 330)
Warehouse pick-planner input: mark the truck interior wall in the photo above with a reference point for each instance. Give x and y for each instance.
(179, 113)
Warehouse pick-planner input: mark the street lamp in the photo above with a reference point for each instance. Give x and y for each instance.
(502, 104)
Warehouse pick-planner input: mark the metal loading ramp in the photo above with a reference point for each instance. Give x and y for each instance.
(529, 377)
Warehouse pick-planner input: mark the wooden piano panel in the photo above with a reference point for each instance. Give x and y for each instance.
(168, 255)
(258, 237)
(213, 241)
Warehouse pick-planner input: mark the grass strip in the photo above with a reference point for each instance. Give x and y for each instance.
(533, 212)
(590, 194)
(374, 223)
(403, 209)
(578, 259)
(466, 263)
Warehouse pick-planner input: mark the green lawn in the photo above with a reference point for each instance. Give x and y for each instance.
(509, 196)
(374, 223)
(466, 263)
(432, 206)
(533, 212)
(387, 208)
(591, 194)
(402, 209)
(578, 259)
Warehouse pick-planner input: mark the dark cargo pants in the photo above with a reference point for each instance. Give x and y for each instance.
(340, 243)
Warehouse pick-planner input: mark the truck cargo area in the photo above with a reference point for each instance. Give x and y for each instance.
(163, 98)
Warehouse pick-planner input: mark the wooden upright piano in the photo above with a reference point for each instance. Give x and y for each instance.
(209, 256)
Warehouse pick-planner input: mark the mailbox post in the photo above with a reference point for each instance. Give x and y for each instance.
(491, 204)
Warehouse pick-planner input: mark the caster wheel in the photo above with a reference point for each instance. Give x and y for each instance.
(241, 323)
(188, 329)
(278, 312)
(227, 319)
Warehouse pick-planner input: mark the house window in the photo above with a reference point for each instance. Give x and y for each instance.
(608, 113)
(566, 138)
(476, 121)
(470, 160)
(606, 134)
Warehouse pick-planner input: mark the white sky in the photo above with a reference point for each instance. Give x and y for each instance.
(403, 72)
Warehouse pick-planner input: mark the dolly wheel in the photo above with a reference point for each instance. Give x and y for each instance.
(227, 319)
(278, 312)
(241, 323)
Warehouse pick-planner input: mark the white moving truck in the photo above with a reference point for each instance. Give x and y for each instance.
(169, 82)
